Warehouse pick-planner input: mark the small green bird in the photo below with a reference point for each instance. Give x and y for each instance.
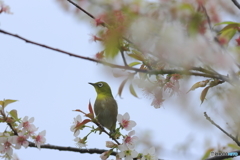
(105, 106)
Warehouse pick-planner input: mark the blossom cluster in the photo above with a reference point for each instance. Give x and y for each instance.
(126, 148)
(25, 130)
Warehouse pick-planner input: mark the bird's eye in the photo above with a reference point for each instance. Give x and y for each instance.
(100, 84)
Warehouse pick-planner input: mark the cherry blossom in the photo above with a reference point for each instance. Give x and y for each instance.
(149, 154)
(27, 125)
(4, 8)
(98, 21)
(77, 120)
(40, 139)
(126, 153)
(94, 38)
(125, 121)
(80, 142)
(6, 145)
(15, 157)
(130, 140)
(20, 140)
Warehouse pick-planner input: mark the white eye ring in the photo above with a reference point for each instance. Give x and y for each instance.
(100, 84)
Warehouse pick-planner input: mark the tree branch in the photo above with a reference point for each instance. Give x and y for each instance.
(72, 149)
(229, 135)
(236, 3)
(89, 14)
(153, 72)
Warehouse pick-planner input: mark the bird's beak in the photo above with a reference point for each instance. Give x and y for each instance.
(91, 83)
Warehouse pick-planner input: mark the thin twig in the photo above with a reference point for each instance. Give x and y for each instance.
(153, 72)
(89, 14)
(236, 3)
(207, 16)
(229, 135)
(123, 57)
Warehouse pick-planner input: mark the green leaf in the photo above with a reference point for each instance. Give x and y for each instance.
(120, 89)
(234, 146)
(228, 32)
(187, 6)
(137, 56)
(203, 94)
(13, 114)
(230, 27)
(195, 23)
(227, 22)
(111, 43)
(132, 91)
(7, 101)
(134, 64)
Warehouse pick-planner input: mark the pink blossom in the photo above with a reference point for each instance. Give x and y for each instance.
(6, 145)
(125, 121)
(77, 120)
(98, 21)
(20, 140)
(40, 139)
(130, 140)
(4, 8)
(27, 125)
(95, 38)
(158, 98)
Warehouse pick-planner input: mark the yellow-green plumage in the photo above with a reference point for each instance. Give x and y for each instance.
(105, 106)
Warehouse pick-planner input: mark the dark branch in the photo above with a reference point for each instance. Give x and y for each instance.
(61, 148)
(229, 135)
(89, 14)
(236, 3)
(123, 57)
(153, 72)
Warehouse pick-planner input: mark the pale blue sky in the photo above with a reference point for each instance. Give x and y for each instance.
(49, 85)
